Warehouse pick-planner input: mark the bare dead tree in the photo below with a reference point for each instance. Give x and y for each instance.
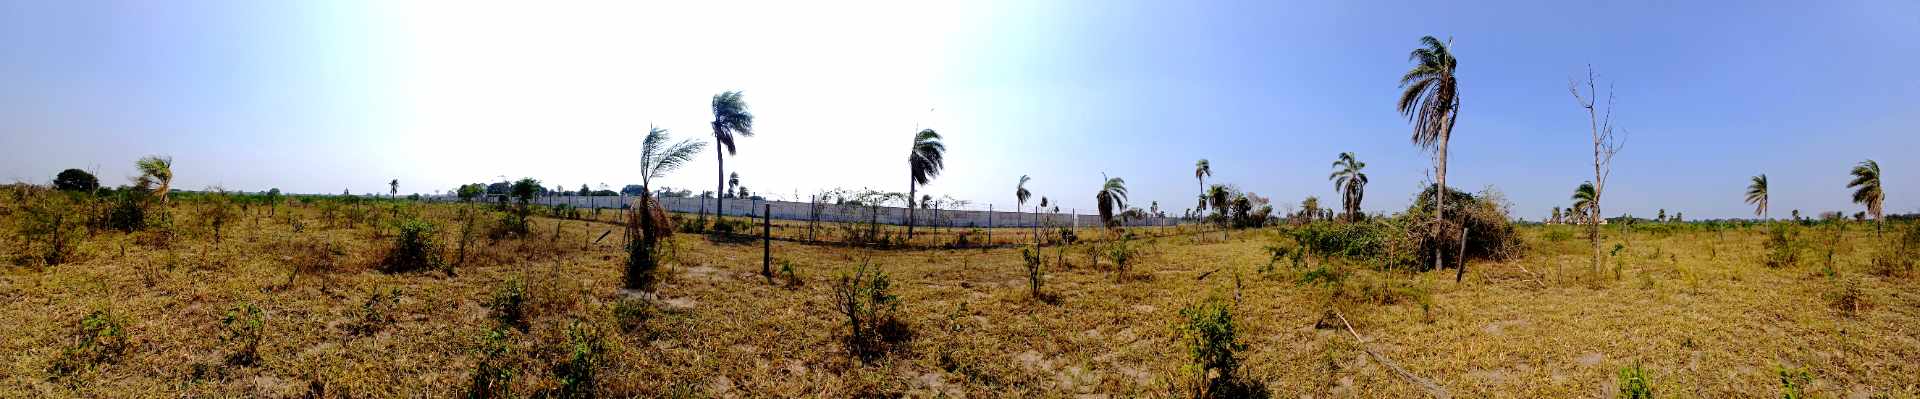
(1605, 146)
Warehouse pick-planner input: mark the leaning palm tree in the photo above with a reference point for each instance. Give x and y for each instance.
(924, 162)
(1583, 198)
(156, 173)
(1757, 195)
(730, 117)
(1431, 101)
(1201, 171)
(657, 158)
(1866, 185)
(1020, 196)
(1350, 182)
(1112, 196)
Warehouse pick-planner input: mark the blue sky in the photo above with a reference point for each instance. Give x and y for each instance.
(325, 96)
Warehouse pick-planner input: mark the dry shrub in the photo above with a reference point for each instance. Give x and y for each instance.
(1897, 258)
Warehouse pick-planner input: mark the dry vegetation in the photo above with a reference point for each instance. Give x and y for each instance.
(168, 312)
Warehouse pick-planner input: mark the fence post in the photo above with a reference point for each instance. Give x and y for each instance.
(813, 215)
(989, 224)
(766, 242)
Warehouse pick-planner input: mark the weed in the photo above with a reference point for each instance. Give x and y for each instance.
(492, 374)
(633, 313)
(508, 305)
(1793, 382)
(1846, 297)
(586, 347)
(1634, 383)
(101, 337)
(791, 273)
(1898, 256)
(242, 329)
(376, 313)
(1122, 252)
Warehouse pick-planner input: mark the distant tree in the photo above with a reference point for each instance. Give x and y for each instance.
(273, 202)
(1866, 185)
(924, 162)
(468, 192)
(1662, 216)
(1310, 207)
(1112, 196)
(1556, 216)
(393, 188)
(75, 180)
(523, 192)
(1201, 171)
(1020, 196)
(584, 191)
(1677, 217)
(156, 175)
(633, 189)
(1431, 101)
(733, 185)
(501, 188)
(1350, 182)
(1218, 197)
(730, 117)
(1757, 195)
(1583, 202)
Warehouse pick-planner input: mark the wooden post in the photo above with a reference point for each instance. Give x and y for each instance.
(989, 224)
(766, 242)
(813, 215)
(1462, 272)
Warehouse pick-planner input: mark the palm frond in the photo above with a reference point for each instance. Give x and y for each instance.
(927, 157)
(1020, 192)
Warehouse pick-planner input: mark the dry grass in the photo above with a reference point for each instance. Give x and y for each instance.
(1701, 314)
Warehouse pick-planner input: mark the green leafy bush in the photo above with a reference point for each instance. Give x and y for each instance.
(1793, 382)
(414, 248)
(866, 299)
(1208, 331)
(508, 304)
(493, 373)
(100, 337)
(1783, 247)
(242, 328)
(586, 349)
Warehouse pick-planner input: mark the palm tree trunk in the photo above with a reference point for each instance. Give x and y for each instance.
(719, 183)
(910, 193)
(1440, 192)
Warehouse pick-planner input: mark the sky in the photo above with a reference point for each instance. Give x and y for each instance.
(325, 96)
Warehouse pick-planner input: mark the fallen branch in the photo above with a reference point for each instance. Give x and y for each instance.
(1536, 277)
(1432, 389)
(1203, 276)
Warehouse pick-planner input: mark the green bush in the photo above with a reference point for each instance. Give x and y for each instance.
(126, 211)
(1208, 331)
(414, 248)
(242, 328)
(493, 373)
(866, 299)
(1793, 382)
(586, 349)
(1783, 246)
(1122, 252)
(101, 337)
(508, 304)
(50, 226)
(1634, 383)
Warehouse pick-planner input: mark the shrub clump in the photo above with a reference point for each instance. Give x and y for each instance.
(414, 248)
(493, 373)
(866, 299)
(1634, 383)
(50, 226)
(1208, 330)
(1783, 247)
(242, 329)
(1901, 251)
(1034, 262)
(100, 337)
(508, 305)
(586, 349)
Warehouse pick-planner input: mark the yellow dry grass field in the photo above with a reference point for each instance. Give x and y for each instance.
(1699, 311)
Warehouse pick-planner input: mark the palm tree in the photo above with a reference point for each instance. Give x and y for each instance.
(1020, 196)
(1556, 216)
(657, 158)
(156, 173)
(1431, 101)
(1583, 198)
(730, 117)
(1112, 196)
(1757, 195)
(1350, 182)
(1866, 185)
(1219, 197)
(733, 183)
(1201, 171)
(924, 162)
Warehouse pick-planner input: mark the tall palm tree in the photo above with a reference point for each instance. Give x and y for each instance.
(1112, 196)
(1201, 171)
(1866, 185)
(1020, 196)
(730, 117)
(1431, 101)
(924, 162)
(156, 173)
(657, 158)
(393, 189)
(1350, 182)
(1757, 195)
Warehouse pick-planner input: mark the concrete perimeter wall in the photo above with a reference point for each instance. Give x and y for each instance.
(843, 213)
